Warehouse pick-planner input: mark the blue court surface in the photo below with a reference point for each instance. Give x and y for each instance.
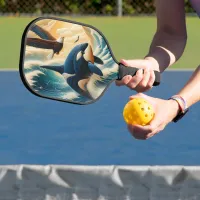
(41, 131)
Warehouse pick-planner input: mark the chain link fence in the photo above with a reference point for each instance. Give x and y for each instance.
(80, 7)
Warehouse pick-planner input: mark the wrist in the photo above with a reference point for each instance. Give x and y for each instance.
(181, 101)
(175, 107)
(163, 56)
(154, 63)
(182, 107)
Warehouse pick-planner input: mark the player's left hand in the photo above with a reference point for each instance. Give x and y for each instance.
(165, 112)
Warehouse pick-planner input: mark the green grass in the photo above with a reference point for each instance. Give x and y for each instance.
(128, 37)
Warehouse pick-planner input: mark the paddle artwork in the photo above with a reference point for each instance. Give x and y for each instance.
(46, 40)
(68, 61)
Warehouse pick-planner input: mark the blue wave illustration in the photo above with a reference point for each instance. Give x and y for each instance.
(52, 84)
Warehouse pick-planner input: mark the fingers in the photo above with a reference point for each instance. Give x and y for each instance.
(138, 63)
(139, 81)
(142, 81)
(138, 95)
(146, 77)
(151, 79)
(142, 132)
(156, 131)
(146, 82)
(146, 132)
(133, 83)
(125, 62)
(125, 80)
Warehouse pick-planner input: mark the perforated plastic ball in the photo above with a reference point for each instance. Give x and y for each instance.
(138, 111)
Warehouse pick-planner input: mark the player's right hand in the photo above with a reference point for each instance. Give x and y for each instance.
(141, 82)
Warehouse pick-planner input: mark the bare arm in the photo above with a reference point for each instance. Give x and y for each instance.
(170, 38)
(166, 48)
(191, 90)
(167, 110)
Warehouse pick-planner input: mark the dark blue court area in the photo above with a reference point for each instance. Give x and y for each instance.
(41, 131)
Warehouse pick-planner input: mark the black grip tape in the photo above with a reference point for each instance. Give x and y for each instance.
(124, 71)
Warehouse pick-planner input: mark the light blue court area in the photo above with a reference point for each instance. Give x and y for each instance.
(40, 131)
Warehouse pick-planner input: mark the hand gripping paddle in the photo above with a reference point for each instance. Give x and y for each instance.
(68, 61)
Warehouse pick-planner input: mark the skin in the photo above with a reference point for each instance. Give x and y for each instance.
(168, 43)
(171, 36)
(166, 110)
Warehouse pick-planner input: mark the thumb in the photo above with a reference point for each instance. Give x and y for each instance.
(140, 95)
(134, 63)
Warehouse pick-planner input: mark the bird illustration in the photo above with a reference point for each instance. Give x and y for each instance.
(46, 40)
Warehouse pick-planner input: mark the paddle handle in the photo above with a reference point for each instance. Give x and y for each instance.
(123, 71)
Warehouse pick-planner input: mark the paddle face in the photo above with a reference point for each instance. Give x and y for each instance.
(66, 61)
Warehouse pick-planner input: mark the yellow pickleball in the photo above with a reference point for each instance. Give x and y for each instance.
(138, 111)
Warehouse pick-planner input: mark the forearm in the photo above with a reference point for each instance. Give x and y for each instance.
(169, 41)
(167, 48)
(191, 90)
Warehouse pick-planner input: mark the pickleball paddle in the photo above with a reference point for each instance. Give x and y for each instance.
(82, 68)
